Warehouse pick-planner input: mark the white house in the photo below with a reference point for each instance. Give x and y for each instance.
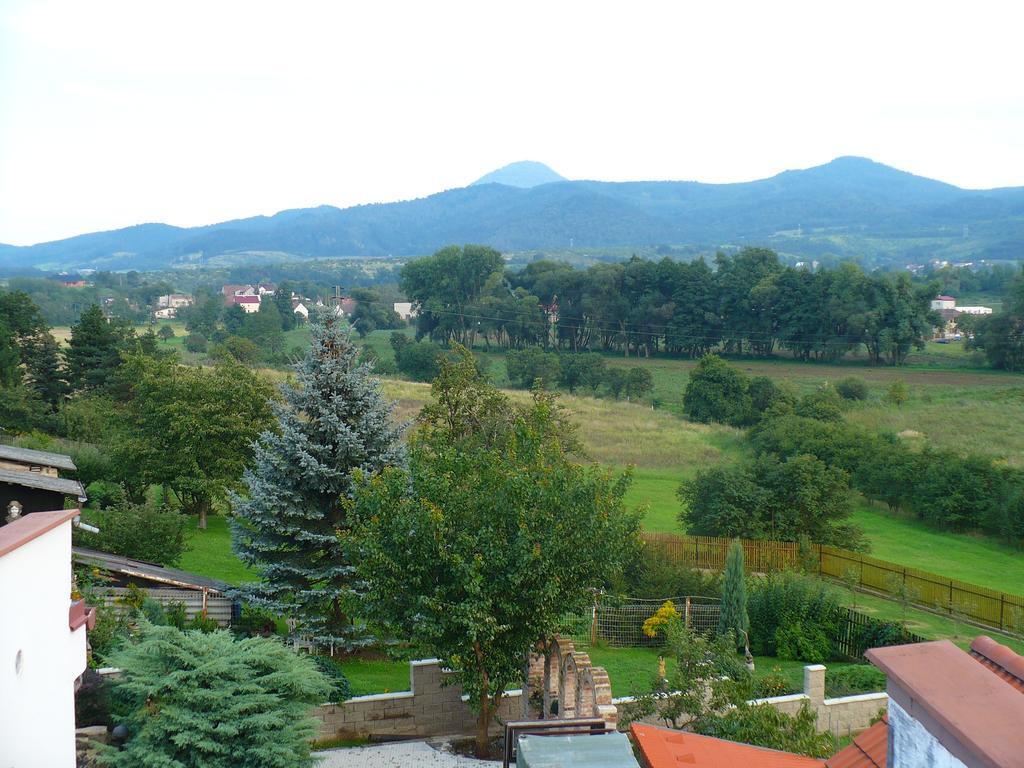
(174, 301)
(299, 308)
(976, 310)
(165, 313)
(247, 302)
(943, 302)
(42, 641)
(405, 310)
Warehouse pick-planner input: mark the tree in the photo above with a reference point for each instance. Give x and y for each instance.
(371, 313)
(897, 393)
(419, 360)
(581, 370)
(166, 332)
(94, 350)
(192, 429)
(491, 536)
(717, 392)
(639, 382)
(733, 617)
(195, 343)
(526, 366)
(292, 524)
(146, 532)
(196, 700)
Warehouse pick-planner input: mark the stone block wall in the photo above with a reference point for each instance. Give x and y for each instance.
(841, 716)
(427, 709)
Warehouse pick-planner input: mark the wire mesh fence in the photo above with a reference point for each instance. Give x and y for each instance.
(619, 621)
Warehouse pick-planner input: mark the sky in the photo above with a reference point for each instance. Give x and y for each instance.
(119, 113)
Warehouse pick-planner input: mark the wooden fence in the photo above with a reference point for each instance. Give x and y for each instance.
(927, 590)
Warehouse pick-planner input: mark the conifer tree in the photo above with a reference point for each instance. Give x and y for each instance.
(293, 524)
(733, 616)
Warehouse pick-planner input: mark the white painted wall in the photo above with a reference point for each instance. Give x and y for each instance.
(37, 700)
(912, 746)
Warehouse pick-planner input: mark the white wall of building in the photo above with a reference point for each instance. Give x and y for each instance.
(911, 745)
(40, 657)
(976, 310)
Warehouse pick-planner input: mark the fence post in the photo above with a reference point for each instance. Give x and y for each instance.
(593, 621)
(687, 620)
(951, 598)
(1002, 604)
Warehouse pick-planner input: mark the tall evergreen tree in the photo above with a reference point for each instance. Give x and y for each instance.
(292, 526)
(94, 349)
(734, 595)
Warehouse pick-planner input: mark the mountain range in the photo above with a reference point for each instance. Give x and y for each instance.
(850, 207)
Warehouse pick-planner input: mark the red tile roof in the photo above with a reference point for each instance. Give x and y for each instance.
(868, 750)
(999, 659)
(667, 748)
(245, 299)
(31, 526)
(944, 298)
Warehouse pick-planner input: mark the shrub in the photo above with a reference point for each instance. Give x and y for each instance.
(852, 388)
(765, 726)
(141, 531)
(823, 404)
(772, 684)
(191, 699)
(655, 624)
(850, 681)
(105, 493)
(340, 688)
(803, 607)
(802, 642)
(92, 699)
(195, 342)
(655, 574)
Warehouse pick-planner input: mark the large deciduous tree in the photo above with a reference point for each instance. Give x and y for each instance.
(492, 534)
(192, 429)
(293, 522)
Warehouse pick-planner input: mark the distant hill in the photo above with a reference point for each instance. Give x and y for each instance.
(524, 174)
(850, 207)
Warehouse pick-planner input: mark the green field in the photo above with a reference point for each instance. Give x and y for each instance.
(967, 557)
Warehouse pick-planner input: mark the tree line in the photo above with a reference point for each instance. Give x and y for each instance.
(747, 303)
(807, 460)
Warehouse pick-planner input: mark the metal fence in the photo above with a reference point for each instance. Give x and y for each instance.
(217, 607)
(619, 622)
(921, 588)
(860, 632)
(978, 604)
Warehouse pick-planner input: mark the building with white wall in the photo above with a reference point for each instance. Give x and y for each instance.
(405, 310)
(42, 642)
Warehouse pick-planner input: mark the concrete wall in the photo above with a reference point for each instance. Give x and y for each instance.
(40, 656)
(842, 716)
(426, 709)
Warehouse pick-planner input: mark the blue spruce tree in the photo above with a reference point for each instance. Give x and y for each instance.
(291, 526)
(733, 617)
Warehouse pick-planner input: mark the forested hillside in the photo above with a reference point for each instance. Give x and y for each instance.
(851, 207)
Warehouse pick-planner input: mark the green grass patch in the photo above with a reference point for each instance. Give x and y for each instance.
(968, 557)
(366, 676)
(210, 553)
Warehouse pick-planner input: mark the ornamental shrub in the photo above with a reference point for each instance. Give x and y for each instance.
(852, 388)
(805, 608)
(195, 700)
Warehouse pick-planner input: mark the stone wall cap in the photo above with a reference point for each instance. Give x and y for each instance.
(879, 696)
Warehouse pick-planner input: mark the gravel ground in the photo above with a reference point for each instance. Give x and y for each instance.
(397, 755)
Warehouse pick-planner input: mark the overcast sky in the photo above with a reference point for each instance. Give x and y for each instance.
(117, 113)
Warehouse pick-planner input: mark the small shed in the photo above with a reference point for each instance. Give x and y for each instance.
(31, 480)
(199, 594)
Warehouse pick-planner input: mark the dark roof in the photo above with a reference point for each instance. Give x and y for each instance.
(1000, 660)
(43, 482)
(45, 458)
(940, 682)
(126, 566)
(868, 750)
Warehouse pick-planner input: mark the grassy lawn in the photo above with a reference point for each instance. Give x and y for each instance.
(210, 553)
(928, 625)
(366, 676)
(967, 557)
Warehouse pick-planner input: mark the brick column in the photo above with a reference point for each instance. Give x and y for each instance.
(814, 684)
